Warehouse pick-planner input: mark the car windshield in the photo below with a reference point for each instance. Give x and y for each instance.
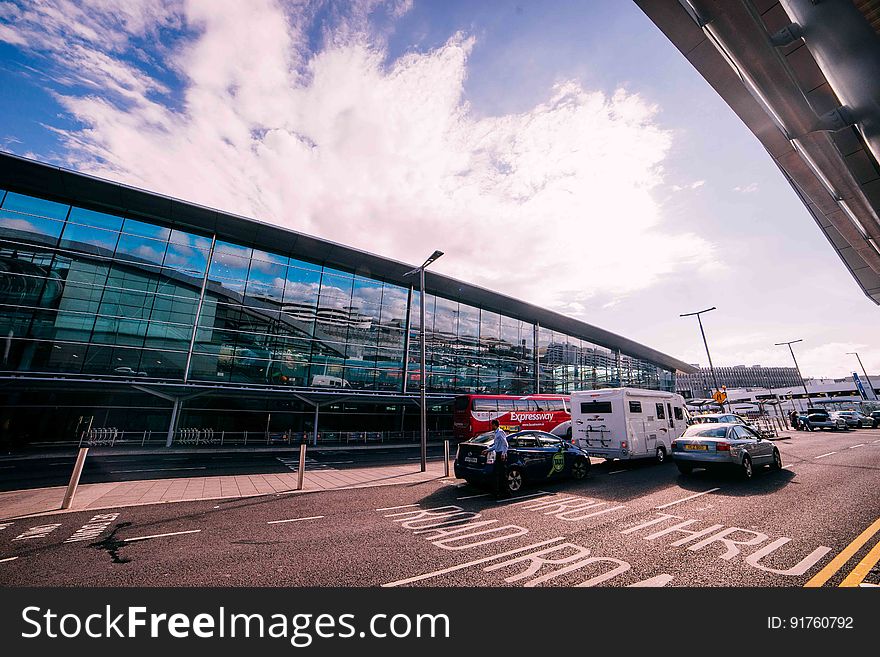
(705, 432)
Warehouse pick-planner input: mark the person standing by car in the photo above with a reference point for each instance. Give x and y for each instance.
(499, 446)
(793, 418)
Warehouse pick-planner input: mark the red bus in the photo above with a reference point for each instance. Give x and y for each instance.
(472, 414)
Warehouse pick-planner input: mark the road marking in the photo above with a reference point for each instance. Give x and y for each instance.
(863, 568)
(93, 528)
(877, 441)
(668, 504)
(470, 497)
(523, 497)
(859, 445)
(144, 538)
(156, 470)
(391, 508)
(824, 455)
(476, 562)
(617, 472)
(37, 532)
(8, 559)
(4, 525)
(865, 584)
(838, 562)
(275, 522)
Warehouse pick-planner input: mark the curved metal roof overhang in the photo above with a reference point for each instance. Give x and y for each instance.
(783, 68)
(31, 177)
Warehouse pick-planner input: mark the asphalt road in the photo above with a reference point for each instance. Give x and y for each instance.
(624, 525)
(17, 473)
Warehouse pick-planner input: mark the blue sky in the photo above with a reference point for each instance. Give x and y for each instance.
(563, 152)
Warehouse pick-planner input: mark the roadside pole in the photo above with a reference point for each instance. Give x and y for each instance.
(300, 471)
(74, 478)
(446, 458)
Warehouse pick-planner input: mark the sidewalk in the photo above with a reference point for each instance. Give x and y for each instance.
(112, 495)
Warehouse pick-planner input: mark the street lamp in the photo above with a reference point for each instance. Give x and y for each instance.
(711, 367)
(424, 423)
(870, 385)
(803, 383)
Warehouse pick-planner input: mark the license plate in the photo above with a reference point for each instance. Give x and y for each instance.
(696, 447)
(470, 459)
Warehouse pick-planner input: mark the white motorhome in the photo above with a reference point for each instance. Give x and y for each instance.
(627, 423)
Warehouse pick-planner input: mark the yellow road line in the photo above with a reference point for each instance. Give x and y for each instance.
(863, 568)
(838, 562)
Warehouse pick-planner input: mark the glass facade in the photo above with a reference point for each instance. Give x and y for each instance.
(100, 296)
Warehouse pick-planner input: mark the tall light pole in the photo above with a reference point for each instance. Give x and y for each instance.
(870, 385)
(803, 383)
(424, 415)
(706, 344)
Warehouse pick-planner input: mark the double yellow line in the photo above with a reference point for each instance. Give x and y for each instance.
(861, 570)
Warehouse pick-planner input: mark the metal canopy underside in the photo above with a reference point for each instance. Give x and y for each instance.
(27, 176)
(787, 95)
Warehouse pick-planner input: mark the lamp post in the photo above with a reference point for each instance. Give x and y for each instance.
(424, 416)
(870, 385)
(706, 344)
(803, 383)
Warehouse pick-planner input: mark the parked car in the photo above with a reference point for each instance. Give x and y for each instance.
(819, 418)
(724, 445)
(855, 419)
(532, 456)
(875, 415)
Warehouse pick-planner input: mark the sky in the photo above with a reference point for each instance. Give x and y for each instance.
(560, 152)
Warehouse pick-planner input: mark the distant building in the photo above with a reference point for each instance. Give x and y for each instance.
(701, 384)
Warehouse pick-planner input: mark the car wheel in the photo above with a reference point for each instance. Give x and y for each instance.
(580, 468)
(685, 469)
(777, 460)
(748, 472)
(514, 480)
(660, 456)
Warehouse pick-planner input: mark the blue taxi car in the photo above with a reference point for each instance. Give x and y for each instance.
(532, 456)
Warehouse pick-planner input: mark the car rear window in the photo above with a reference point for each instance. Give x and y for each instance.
(705, 432)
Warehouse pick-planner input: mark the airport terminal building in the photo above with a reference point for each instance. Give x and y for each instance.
(124, 309)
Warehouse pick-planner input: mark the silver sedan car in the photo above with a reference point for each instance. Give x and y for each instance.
(724, 445)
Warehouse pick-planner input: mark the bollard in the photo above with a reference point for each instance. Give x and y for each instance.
(74, 478)
(446, 457)
(300, 471)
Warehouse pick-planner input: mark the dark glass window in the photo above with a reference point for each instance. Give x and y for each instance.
(485, 405)
(635, 407)
(595, 407)
(678, 413)
(661, 413)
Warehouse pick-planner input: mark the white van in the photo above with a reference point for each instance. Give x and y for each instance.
(627, 423)
(325, 381)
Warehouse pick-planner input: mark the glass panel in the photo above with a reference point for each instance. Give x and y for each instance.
(35, 206)
(143, 229)
(95, 219)
(187, 260)
(230, 265)
(23, 226)
(266, 281)
(140, 249)
(89, 239)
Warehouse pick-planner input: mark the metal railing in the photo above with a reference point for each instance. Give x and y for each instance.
(210, 437)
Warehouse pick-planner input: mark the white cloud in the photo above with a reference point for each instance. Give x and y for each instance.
(694, 185)
(746, 189)
(553, 205)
